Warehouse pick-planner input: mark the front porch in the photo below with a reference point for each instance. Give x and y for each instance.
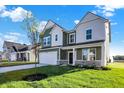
(22, 56)
(90, 54)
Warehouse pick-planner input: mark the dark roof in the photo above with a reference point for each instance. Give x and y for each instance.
(16, 46)
(90, 42)
(68, 31)
(100, 17)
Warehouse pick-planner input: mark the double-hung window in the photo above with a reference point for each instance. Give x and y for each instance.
(46, 41)
(56, 37)
(89, 54)
(71, 38)
(85, 54)
(92, 54)
(88, 34)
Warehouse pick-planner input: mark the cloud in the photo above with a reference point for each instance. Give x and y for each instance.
(57, 19)
(42, 25)
(108, 10)
(14, 33)
(122, 41)
(76, 21)
(2, 8)
(108, 14)
(16, 15)
(11, 36)
(116, 32)
(95, 12)
(114, 23)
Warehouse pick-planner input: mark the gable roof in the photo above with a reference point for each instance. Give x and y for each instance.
(89, 16)
(16, 46)
(49, 26)
(83, 20)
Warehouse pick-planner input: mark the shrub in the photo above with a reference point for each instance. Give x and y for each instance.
(4, 60)
(105, 68)
(92, 67)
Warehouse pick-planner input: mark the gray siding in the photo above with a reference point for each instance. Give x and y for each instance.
(65, 39)
(64, 55)
(79, 54)
(98, 53)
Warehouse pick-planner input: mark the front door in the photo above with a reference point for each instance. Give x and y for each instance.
(70, 58)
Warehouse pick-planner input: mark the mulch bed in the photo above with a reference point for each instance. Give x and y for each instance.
(35, 77)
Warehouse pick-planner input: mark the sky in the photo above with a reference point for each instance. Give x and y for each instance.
(11, 21)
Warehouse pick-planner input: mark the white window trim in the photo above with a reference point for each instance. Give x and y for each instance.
(46, 41)
(56, 37)
(70, 39)
(95, 53)
(88, 59)
(86, 34)
(68, 56)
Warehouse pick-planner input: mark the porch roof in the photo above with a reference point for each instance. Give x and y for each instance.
(84, 45)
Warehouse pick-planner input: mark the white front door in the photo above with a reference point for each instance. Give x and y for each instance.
(49, 58)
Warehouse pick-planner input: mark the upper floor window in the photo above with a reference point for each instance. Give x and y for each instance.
(46, 41)
(56, 37)
(89, 34)
(72, 38)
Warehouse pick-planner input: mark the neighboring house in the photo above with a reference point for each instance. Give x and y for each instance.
(0, 56)
(18, 52)
(87, 43)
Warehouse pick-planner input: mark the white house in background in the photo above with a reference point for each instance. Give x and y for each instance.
(87, 43)
(18, 52)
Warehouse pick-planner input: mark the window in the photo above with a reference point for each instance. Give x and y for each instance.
(88, 34)
(85, 54)
(72, 38)
(56, 37)
(92, 54)
(46, 41)
(89, 54)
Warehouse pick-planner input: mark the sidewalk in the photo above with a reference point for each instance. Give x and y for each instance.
(20, 67)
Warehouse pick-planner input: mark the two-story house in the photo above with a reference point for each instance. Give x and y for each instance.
(18, 52)
(87, 43)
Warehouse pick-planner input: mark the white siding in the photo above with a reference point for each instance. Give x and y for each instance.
(49, 24)
(89, 17)
(56, 31)
(13, 56)
(107, 40)
(98, 31)
(32, 56)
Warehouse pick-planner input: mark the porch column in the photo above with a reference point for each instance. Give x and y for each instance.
(103, 55)
(58, 57)
(74, 56)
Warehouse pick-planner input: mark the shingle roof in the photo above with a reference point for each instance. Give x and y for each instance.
(68, 31)
(16, 46)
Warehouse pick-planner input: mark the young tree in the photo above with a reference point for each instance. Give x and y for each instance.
(31, 24)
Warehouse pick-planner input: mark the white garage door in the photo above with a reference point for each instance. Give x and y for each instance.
(48, 58)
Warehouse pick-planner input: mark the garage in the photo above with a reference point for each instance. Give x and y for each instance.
(48, 58)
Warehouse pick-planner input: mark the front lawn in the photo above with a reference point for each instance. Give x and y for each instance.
(67, 77)
(6, 64)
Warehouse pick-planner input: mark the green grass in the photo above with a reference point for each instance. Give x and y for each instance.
(6, 64)
(67, 77)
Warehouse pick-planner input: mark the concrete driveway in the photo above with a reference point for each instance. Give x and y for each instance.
(20, 67)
